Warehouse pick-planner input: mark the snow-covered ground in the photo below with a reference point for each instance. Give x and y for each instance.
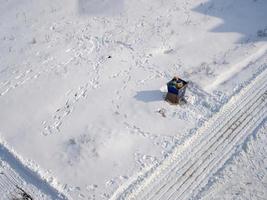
(82, 112)
(191, 165)
(244, 176)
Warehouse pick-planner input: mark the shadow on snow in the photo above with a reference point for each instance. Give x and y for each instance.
(248, 17)
(149, 96)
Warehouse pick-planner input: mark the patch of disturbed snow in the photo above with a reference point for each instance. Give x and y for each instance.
(244, 176)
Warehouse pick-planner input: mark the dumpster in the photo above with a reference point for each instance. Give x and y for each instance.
(176, 90)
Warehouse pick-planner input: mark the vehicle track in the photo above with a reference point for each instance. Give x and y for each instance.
(20, 181)
(188, 169)
(218, 139)
(11, 186)
(210, 158)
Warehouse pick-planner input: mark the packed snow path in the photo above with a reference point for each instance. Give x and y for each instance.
(189, 168)
(17, 181)
(11, 186)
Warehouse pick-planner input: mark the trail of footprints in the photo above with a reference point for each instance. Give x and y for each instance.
(53, 125)
(32, 73)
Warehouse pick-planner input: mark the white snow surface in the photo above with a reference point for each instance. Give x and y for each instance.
(244, 176)
(82, 85)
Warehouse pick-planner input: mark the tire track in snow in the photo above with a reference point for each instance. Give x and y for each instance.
(215, 137)
(11, 186)
(18, 179)
(157, 183)
(223, 129)
(198, 168)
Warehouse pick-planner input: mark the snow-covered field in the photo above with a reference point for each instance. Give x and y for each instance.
(82, 110)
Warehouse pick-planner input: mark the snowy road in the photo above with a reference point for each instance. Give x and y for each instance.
(12, 187)
(18, 181)
(186, 171)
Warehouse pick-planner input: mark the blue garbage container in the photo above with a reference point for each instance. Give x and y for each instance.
(176, 90)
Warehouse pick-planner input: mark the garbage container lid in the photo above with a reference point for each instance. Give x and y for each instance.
(179, 85)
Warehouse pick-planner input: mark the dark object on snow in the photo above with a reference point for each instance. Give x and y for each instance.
(176, 90)
(23, 195)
